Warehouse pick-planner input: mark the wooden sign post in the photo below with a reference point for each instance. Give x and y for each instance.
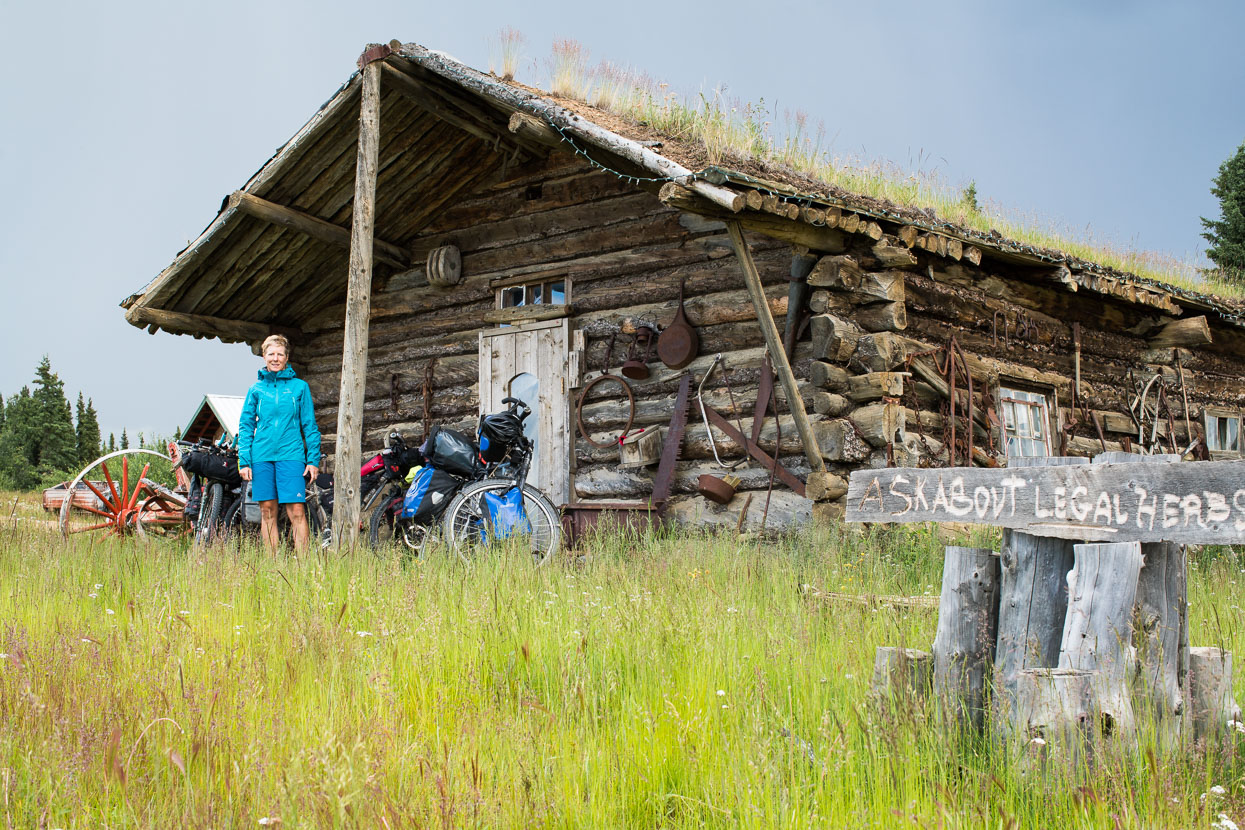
(1097, 600)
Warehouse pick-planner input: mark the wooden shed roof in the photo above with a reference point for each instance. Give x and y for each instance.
(276, 253)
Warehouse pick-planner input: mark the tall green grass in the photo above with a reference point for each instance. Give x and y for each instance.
(683, 681)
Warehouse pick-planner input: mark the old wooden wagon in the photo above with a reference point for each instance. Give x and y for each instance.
(436, 238)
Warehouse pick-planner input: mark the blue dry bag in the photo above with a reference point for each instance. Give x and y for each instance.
(505, 512)
(429, 494)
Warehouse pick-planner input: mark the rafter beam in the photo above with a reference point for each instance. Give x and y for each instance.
(313, 226)
(179, 322)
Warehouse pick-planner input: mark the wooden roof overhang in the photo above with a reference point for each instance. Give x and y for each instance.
(277, 252)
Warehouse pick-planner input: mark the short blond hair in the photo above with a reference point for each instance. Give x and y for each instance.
(275, 339)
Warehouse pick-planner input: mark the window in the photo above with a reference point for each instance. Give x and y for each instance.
(1026, 423)
(546, 292)
(1223, 430)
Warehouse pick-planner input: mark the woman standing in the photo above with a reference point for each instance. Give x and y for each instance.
(279, 443)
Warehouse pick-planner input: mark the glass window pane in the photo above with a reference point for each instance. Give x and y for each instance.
(526, 388)
(556, 293)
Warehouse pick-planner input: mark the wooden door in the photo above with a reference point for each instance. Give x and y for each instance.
(532, 360)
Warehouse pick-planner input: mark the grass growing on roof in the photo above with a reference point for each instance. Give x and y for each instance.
(676, 682)
(732, 129)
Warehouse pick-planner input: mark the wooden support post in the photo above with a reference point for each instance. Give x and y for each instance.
(1033, 601)
(1212, 706)
(1097, 631)
(967, 623)
(773, 344)
(346, 508)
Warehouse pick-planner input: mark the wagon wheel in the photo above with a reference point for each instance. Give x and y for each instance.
(122, 502)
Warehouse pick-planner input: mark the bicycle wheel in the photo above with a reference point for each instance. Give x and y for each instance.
(467, 528)
(209, 515)
(387, 531)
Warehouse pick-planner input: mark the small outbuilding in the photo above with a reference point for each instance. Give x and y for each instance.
(215, 419)
(436, 238)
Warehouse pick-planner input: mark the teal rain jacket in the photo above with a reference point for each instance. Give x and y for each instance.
(278, 422)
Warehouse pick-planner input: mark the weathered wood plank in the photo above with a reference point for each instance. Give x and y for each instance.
(1186, 503)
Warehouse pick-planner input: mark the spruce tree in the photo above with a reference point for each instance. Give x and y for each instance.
(1227, 234)
(87, 432)
(112, 442)
(18, 441)
(56, 446)
(125, 440)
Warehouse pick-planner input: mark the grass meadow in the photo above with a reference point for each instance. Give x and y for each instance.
(672, 682)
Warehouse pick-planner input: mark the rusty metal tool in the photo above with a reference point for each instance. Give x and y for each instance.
(664, 480)
(788, 478)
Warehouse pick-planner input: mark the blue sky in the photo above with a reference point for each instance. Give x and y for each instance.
(127, 123)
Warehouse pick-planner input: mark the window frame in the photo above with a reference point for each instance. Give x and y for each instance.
(1049, 404)
(1221, 412)
(531, 283)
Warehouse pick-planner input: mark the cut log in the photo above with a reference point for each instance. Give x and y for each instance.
(908, 235)
(878, 352)
(902, 675)
(955, 249)
(880, 424)
(839, 442)
(872, 230)
(1212, 704)
(973, 254)
(828, 376)
(534, 130)
(798, 233)
(1097, 630)
(894, 253)
(875, 385)
(1051, 718)
(825, 486)
(882, 317)
(1033, 602)
(834, 339)
(964, 643)
(824, 301)
(850, 222)
(841, 272)
(1191, 331)
(830, 404)
(526, 314)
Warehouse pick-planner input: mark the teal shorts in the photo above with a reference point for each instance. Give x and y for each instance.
(281, 481)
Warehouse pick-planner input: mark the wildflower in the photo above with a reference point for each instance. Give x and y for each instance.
(110, 611)
(270, 821)
(99, 585)
(92, 595)
(1038, 741)
(1224, 823)
(364, 633)
(1238, 726)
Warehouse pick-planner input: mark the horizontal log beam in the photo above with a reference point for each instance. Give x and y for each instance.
(234, 331)
(1191, 331)
(313, 226)
(786, 230)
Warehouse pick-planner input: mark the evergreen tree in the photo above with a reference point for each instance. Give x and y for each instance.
(1, 413)
(87, 431)
(112, 442)
(56, 443)
(125, 440)
(18, 440)
(1227, 234)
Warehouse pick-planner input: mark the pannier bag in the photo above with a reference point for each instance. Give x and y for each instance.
(505, 513)
(324, 481)
(250, 507)
(450, 450)
(429, 494)
(214, 466)
(194, 501)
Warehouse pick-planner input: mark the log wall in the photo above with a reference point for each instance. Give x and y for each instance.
(887, 296)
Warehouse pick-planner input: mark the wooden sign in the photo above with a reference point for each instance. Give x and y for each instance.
(1186, 503)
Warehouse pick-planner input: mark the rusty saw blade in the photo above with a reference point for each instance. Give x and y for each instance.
(664, 480)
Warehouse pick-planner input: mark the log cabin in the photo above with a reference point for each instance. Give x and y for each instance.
(436, 238)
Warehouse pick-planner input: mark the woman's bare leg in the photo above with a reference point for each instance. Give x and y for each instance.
(298, 524)
(268, 524)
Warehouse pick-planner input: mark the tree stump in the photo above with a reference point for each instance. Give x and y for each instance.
(1051, 714)
(967, 628)
(1160, 616)
(1212, 707)
(902, 674)
(1097, 631)
(1033, 600)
